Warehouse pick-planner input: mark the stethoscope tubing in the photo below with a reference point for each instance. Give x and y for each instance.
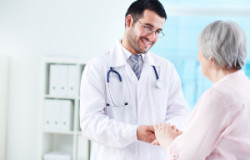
(156, 73)
(112, 70)
(158, 83)
(120, 78)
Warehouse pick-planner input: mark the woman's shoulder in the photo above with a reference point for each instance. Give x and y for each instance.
(220, 97)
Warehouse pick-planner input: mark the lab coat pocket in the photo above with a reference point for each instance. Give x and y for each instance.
(122, 113)
(116, 106)
(117, 98)
(117, 113)
(117, 92)
(159, 97)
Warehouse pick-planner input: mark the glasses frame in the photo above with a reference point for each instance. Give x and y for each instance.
(149, 29)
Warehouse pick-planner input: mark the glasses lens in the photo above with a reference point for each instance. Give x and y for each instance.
(161, 34)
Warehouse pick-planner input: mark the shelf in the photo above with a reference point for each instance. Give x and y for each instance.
(59, 132)
(65, 133)
(63, 60)
(55, 104)
(58, 97)
(79, 133)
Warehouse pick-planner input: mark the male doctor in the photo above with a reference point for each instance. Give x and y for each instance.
(127, 90)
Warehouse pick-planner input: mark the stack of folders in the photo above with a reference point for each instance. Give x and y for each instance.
(58, 115)
(57, 155)
(62, 80)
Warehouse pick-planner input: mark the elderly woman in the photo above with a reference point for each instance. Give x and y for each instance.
(219, 127)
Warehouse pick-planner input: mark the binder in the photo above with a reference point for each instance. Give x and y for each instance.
(48, 121)
(58, 115)
(66, 116)
(71, 85)
(56, 112)
(62, 80)
(53, 84)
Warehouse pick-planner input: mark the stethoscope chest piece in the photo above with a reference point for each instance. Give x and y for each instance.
(159, 84)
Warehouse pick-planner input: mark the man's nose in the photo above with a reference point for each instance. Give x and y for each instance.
(151, 36)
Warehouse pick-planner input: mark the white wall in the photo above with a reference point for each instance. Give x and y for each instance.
(33, 29)
(4, 68)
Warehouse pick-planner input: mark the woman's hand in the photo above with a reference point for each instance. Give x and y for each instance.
(165, 134)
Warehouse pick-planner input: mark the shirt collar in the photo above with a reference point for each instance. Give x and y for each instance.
(119, 56)
(230, 76)
(128, 54)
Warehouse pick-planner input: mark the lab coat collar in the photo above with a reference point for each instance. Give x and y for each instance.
(150, 59)
(128, 54)
(118, 58)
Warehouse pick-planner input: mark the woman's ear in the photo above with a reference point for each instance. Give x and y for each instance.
(212, 63)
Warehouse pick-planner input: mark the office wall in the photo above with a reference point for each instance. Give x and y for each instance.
(31, 30)
(4, 68)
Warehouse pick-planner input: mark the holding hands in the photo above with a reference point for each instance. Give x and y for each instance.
(165, 134)
(161, 134)
(146, 133)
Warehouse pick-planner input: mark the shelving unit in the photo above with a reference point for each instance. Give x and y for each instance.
(67, 141)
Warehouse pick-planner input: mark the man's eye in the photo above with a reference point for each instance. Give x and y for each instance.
(148, 28)
(158, 31)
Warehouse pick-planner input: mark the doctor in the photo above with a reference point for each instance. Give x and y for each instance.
(127, 90)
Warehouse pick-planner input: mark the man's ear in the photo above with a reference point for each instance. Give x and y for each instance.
(129, 21)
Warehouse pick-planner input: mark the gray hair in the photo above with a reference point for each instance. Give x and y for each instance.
(226, 43)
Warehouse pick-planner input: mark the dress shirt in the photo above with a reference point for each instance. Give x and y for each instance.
(128, 54)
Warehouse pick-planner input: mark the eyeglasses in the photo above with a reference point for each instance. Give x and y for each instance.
(149, 29)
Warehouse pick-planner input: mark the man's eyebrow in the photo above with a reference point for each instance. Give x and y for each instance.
(148, 24)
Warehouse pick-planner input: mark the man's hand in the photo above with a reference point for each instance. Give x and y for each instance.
(146, 133)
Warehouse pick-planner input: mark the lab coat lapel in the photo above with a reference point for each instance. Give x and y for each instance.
(118, 59)
(149, 61)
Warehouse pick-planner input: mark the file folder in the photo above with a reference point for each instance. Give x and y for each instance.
(71, 85)
(66, 116)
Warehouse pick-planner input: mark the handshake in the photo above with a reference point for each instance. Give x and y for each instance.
(160, 134)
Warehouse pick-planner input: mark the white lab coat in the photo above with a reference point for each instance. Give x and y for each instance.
(111, 129)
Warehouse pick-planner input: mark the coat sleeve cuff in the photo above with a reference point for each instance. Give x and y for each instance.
(134, 132)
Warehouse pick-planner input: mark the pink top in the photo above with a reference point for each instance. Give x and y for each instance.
(219, 127)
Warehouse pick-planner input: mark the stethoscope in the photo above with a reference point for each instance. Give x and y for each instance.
(158, 83)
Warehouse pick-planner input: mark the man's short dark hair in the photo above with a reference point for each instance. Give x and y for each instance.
(137, 8)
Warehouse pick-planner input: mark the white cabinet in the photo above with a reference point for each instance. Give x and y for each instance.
(59, 131)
